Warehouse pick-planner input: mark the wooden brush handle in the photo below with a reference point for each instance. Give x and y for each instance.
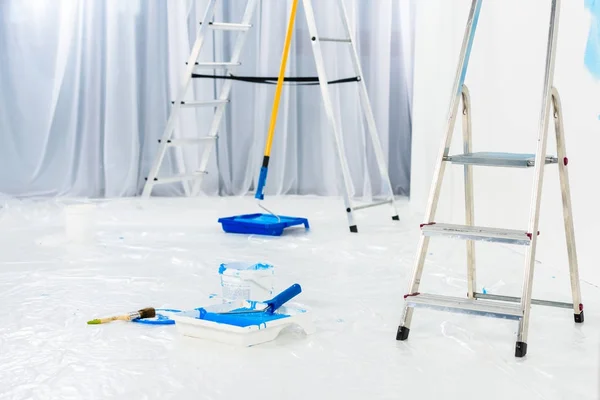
(125, 317)
(116, 318)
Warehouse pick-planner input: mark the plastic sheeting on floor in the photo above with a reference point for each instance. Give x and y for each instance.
(166, 253)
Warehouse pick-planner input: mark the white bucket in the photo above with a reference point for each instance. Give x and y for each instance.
(246, 281)
(80, 223)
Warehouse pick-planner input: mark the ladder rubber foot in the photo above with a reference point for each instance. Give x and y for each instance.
(579, 318)
(396, 218)
(402, 333)
(521, 349)
(353, 229)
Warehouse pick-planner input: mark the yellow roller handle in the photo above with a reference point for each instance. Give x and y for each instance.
(282, 67)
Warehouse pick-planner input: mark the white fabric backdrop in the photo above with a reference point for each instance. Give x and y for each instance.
(85, 88)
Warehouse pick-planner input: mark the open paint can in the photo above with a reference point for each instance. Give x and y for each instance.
(246, 281)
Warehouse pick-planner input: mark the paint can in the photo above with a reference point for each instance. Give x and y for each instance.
(246, 281)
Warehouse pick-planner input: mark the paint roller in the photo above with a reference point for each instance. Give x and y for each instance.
(262, 312)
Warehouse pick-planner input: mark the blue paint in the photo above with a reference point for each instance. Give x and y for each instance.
(160, 319)
(484, 291)
(241, 320)
(253, 318)
(262, 180)
(463, 73)
(244, 267)
(592, 50)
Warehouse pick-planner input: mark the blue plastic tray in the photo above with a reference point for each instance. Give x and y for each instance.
(260, 224)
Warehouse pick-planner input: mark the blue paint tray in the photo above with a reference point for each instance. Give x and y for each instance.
(260, 224)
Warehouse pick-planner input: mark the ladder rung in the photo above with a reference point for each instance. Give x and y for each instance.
(510, 236)
(207, 103)
(485, 308)
(374, 204)
(341, 40)
(493, 159)
(217, 65)
(225, 26)
(184, 142)
(179, 177)
(512, 299)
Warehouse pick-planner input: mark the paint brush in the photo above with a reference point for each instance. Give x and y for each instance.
(148, 312)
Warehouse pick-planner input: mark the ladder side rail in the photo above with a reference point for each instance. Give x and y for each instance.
(367, 109)
(324, 86)
(521, 347)
(225, 92)
(184, 84)
(563, 175)
(467, 43)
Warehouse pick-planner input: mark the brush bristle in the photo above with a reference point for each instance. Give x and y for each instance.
(94, 322)
(147, 312)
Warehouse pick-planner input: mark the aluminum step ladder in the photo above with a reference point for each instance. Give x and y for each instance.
(508, 307)
(192, 66)
(167, 140)
(348, 40)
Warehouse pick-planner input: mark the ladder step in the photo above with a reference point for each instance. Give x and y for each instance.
(184, 142)
(341, 40)
(512, 299)
(225, 26)
(374, 204)
(484, 308)
(510, 236)
(493, 159)
(207, 103)
(217, 65)
(179, 177)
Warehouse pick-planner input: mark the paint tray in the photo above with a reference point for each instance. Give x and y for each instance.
(261, 330)
(260, 224)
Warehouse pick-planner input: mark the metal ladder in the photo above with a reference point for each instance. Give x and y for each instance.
(508, 307)
(167, 141)
(192, 65)
(348, 40)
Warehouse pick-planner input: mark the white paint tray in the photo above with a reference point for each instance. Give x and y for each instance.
(189, 324)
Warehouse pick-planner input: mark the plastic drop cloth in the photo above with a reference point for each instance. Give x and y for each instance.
(166, 253)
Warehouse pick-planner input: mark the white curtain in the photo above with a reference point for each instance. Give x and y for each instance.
(85, 89)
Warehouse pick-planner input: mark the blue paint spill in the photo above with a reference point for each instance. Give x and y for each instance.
(484, 291)
(592, 50)
(212, 295)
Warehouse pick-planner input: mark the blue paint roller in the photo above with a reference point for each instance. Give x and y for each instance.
(262, 313)
(268, 224)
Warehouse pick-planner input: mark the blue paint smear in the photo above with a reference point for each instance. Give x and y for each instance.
(244, 267)
(592, 50)
(463, 73)
(241, 320)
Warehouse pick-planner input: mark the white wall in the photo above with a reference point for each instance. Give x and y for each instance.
(505, 78)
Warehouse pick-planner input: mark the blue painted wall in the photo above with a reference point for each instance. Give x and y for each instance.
(592, 51)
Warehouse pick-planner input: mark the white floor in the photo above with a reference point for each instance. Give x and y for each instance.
(166, 254)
